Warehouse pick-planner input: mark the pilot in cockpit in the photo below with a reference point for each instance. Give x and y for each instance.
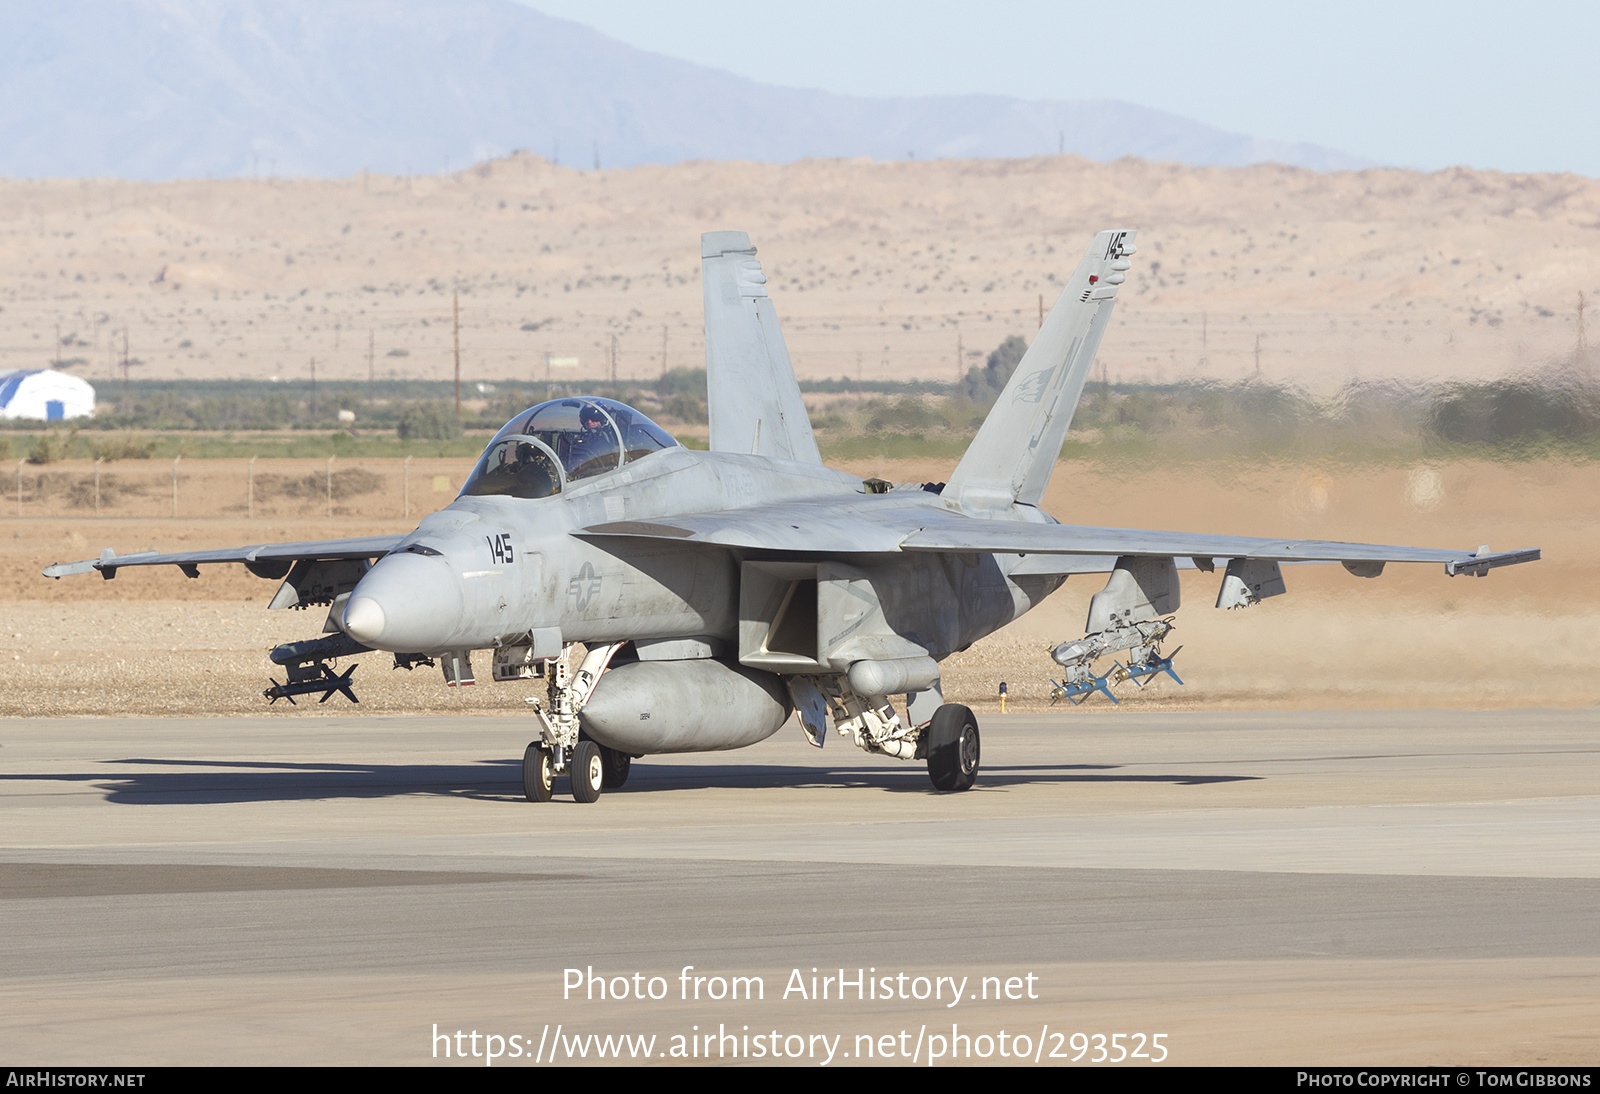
(594, 449)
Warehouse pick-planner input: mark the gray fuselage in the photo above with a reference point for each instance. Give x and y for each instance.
(487, 571)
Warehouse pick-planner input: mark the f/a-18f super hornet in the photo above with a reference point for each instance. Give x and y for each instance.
(716, 593)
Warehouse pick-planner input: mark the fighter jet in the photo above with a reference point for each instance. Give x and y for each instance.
(714, 594)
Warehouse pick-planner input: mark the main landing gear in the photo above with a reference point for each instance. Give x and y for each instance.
(953, 748)
(948, 739)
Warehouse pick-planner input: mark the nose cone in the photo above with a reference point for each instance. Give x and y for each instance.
(407, 603)
(364, 619)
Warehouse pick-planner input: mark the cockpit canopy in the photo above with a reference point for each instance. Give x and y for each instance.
(562, 441)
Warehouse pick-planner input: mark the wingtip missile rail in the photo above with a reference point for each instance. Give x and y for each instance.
(1483, 561)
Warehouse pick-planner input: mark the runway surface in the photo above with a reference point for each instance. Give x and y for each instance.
(1302, 888)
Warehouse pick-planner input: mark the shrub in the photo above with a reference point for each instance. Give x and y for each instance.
(52, 446)
(123, 447)
(983, 386)
(428, 422)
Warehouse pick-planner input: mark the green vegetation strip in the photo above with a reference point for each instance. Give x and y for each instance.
(1551, 412)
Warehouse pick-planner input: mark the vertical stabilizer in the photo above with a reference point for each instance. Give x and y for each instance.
(1016, 449)
(752, 396)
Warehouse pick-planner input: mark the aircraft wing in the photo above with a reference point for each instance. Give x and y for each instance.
(1068, 539)
(877, 525)
(268, 559)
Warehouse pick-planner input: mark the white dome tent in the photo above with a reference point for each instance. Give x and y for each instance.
(44, 395)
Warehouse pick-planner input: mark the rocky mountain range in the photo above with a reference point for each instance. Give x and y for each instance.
(166, 89)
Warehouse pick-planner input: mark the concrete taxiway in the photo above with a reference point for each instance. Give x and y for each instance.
(1310, 887)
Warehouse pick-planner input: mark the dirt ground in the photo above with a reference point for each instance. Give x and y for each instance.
(154, 642)
(879, 270)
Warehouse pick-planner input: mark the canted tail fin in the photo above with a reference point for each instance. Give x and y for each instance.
(1016, 449)
(752, 396)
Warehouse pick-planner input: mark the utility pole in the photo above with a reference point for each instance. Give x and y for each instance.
(1583, 335)
(960, 356)
(372, 341)
(1041, 309)
(613, 360)
(664, 345)
(456, 334)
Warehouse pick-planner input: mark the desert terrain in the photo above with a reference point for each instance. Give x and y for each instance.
(153, 642)
(880, 270)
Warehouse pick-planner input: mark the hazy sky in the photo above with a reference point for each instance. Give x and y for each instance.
(1417, 84)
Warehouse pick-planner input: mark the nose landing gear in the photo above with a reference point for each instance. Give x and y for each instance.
(586, 764)
(562, 748)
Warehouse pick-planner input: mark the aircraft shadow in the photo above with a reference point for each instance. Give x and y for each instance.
(193, 782)
(905, 778)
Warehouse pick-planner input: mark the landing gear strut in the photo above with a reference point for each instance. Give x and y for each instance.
(953, 748)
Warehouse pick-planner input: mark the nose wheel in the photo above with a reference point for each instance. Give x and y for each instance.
(585, 767)
(538, 773)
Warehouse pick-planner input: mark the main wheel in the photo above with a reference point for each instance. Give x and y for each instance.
(615, 765)
(538, 773)
(587, 770)
(953, 750)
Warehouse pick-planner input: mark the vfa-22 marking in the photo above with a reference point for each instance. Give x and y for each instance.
(500, 548)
